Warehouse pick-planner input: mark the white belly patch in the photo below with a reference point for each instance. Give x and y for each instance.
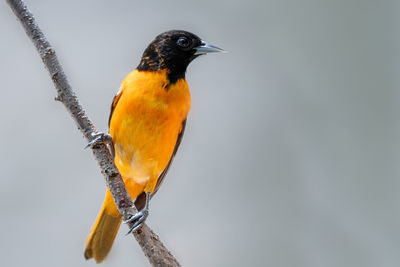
(141, 180)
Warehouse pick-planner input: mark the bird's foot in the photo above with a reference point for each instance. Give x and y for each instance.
(137, 220)
(99, 138)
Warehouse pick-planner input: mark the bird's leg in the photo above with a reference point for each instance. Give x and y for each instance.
(100, 138)
(139, 218)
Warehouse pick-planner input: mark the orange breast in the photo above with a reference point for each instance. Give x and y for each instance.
(146, 122)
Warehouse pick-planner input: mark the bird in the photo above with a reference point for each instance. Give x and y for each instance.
(146, 125)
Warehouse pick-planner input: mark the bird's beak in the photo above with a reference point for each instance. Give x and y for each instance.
(205, 48)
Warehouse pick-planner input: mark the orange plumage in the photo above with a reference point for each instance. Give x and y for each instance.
(144, 126)
(146, 123)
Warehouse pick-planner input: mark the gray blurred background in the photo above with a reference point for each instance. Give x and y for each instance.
(291, 151)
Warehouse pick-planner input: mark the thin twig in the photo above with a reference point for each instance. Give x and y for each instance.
(152, 247)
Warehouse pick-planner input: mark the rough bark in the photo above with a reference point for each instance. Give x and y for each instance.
(152, 247)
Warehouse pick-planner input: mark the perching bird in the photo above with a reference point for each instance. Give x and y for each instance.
(146, 124)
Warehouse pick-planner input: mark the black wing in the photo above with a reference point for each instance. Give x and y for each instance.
(141, 199)
(113, 105)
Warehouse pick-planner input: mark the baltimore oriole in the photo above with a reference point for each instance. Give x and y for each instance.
(146, 125)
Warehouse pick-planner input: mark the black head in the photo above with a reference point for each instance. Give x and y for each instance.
(174, 50)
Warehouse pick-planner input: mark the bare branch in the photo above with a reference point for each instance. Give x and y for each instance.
(152, 247)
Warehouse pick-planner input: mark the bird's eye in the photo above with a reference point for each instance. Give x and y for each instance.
(183, 42)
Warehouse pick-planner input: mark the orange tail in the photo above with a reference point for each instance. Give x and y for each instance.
(104, 230)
